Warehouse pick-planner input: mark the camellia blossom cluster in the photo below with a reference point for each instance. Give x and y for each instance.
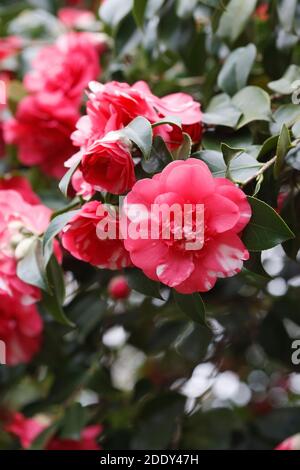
(106, 163)
(46, 118)
(22, 219)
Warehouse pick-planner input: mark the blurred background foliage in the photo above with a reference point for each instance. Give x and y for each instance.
(152, 378)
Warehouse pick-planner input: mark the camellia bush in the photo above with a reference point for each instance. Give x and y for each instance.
(149, 224)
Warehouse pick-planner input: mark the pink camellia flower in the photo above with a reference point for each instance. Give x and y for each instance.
(188, 255)
(22, 186)
(82, 237)
(113, 105)
(107, 164)
(118, 287)
(75, 18)
(262, 12)
(9, 46)
(291, 443)
(87, 441)
(81, 187)
(41, 129)
(66, 67)
(27, 430)
(21, 330)
(20, 222)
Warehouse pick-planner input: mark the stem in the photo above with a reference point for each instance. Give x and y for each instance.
(261, 171)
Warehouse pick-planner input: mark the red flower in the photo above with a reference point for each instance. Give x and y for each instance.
(81, 187)
(113, 105)
(75, 18)
(87, 441)
(262, 12)
(206, 250)
(107, 164)
(66, 67)
(42, 129)
(291, 443)
(20, 222)
(22, 186)
(20, 329)
(27, 430)
(82, 237)
(9, 46)
(118, 287)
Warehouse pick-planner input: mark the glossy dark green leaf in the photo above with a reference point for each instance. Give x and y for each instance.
(73, 422)
(192, 305)
(283, 146)
(138, 10)
(284, 86)
(236, 69)
(266, 228)
(66, 179)
(254, 103)
(31, 268)
(234, 19)
(55, 227)
(221, 112)
(139, 131)
(141, 283)
(160, 156)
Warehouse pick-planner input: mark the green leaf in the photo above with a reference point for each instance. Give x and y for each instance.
(139, 131)
(160, 156)
(254, 270)
(283, 86)
(235, 18)
(286, 114)
(192, 305)
(138, 10)
(221, 112)
(141, 283)
(296, 129)
(31, 268)
(229, 153)
(193, 343)
(237, 139)
(184, 150)
(266, 228)
(171, 120)
(55, 227)
(73, 422)
(214, 160)
(41, 441)
(53, 302)
(283, 146)
(254, 103)
(157, 421)
(286, 12)
(236, 69)
(293, 157)
(241, 165)
(268, 146)
(65, 181)
(113, 11)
